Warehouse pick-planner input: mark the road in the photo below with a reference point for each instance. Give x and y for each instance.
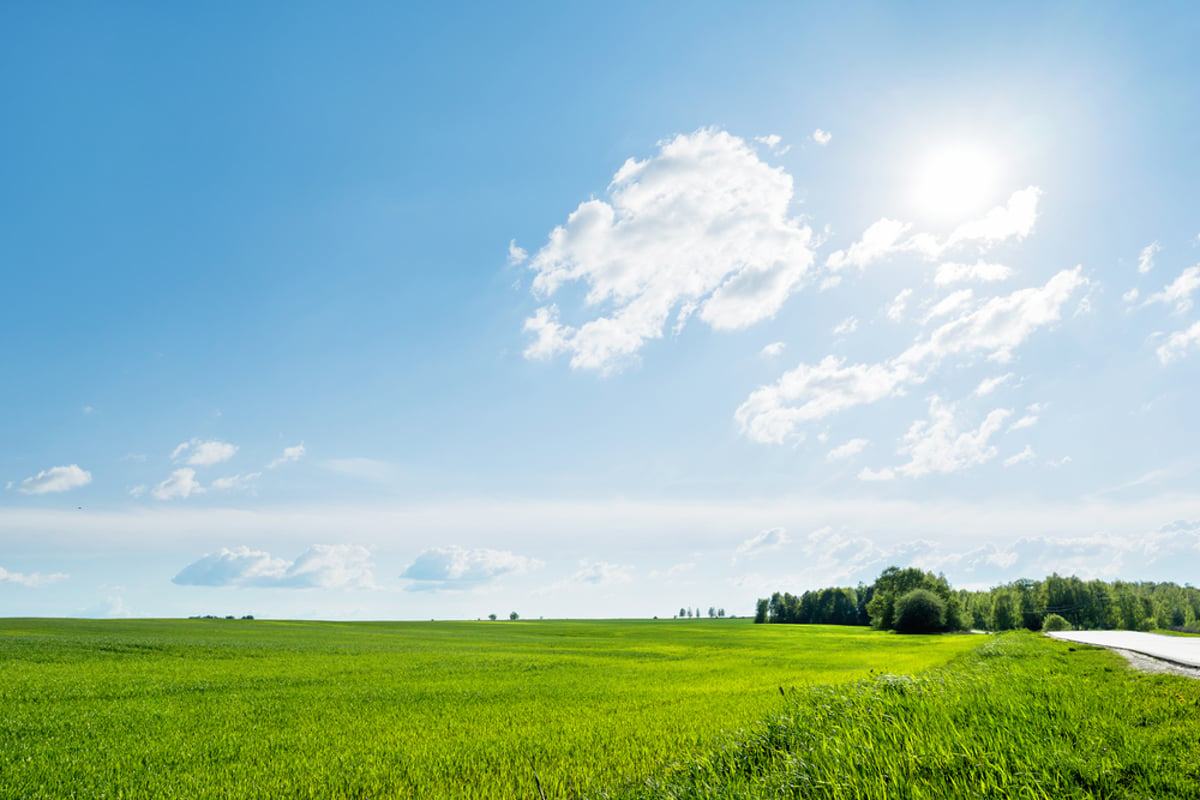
(1178, 649)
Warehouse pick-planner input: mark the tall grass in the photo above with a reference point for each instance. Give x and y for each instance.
(1022, 717)
(215, 708)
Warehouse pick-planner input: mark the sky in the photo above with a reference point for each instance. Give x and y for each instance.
(393, 312)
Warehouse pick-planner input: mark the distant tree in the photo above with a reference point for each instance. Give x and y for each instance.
(689, 613)
(712, 612)
(721, 613)
(920, 611)
(492, 617)
(682, 612)
(760, 610)
(1004, 616)
(514, 616)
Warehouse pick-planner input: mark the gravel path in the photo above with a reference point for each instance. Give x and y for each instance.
(1148, 652)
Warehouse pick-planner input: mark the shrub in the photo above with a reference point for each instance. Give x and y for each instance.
(920, 611)
(1053, 622)
(1148, 624)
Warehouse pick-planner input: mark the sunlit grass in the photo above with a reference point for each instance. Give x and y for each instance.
(198, 708)
(1022, 717)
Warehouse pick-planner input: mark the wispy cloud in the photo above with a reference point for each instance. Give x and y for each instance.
(822, 137)
(847, 450)
(34, 580)
(1146, 257)
(1179, 292)
(1179, 344)
(180, 485)
(199, 453)
(766, 541)
(290, 454)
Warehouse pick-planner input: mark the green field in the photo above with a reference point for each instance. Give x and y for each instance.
(222, 708)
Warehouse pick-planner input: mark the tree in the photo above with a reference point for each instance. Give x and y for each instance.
(514, 616)
(682, 612)
(1053, 622)
(920, 611)
(760, 610)
(1004, 616)
(492, 617)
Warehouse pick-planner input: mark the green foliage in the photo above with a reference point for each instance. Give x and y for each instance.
(1053, 623)
(920, 611)
(1021, 717)
(893, 583)
(208, 709)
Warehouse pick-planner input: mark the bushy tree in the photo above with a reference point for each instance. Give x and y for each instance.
(1054, 622)
(514, 616)
(919, 611)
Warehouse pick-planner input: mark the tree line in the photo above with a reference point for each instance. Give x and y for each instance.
(912, 600)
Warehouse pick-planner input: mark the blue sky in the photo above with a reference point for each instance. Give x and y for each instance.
(601, 311)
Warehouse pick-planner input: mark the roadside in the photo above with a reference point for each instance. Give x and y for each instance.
(1146, 652)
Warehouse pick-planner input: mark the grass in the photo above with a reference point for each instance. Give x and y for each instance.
(221, 708)
(1022, 717)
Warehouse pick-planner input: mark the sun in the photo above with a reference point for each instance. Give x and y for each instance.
(954, 182)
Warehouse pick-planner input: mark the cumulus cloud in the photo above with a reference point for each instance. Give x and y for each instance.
(822, 137)
(879, 240)
(950, 272)
(1025, 455)
(1029, 419)
(702, 226)
(989, 385)
(1015, 219)
(1179, 292)
(1146, 258)
(294, 453)
(199, 453)
(774, 142)
(1131, 295)
(322, 566)
(846, 327)
(180, 485)
(766, 541)
(937, 445)
(33, 580)
(773, 349)
(456, 568)
(55, 479)
(1179, 344)
(847, 450)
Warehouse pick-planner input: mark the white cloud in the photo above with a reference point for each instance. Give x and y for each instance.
(936, 445)
(322, 566)
(1179, 292)
(516, 255)
(366, 468)
(774, 142)
(1015, 219)
(895, 310)
(1001, 324)
(879, 240)
(822, 137)
(773, 349)
(1179, 343)
(763, 542)
(594, 573)
(180, 485)
(950, 272)
(1025, 455)
(989, 385)
(204, 454)
(847, 450)
(949, 304)
(868, 474)
(456, 568)
(1029, 420)
(55, 479)
(674, 571)
(1146, 258)
(236, 482)
(846, 327)
(703, 222)
(32, 580)
(1130, 296)
(883, 238)
(294, 453)
(772, 413)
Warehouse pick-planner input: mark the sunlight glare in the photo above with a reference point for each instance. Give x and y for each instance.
(954, 182)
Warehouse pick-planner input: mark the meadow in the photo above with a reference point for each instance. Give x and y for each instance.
(240, 708)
